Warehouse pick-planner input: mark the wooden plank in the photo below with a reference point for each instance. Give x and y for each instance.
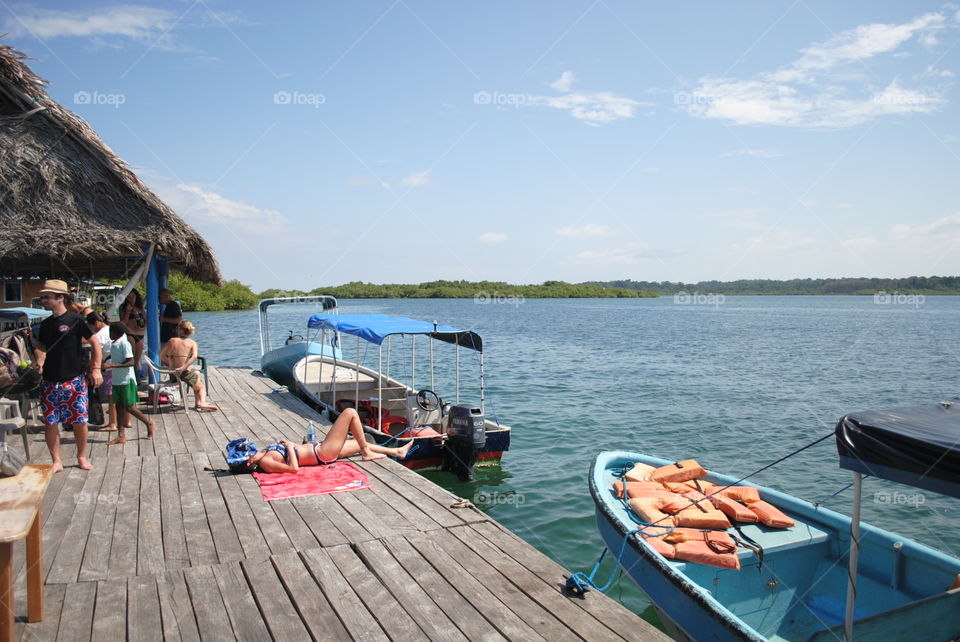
(376, 524)
(176, 610)
(421, 607)
(207, 603)
(270, 526)
(314, 511)
(225, 537)
(66, 564)
(301, 537)
(150, 532)
(280, 614)
(477, 590)
(315, 609)
(546, 594)
(350, 608)
(46, 629)
(410, 486)
(613, 615)
(110, 611)
(175, 553)
(418, 509)
(245, 616)
(96, 556)
(251, 538)
(143, 602)
(196, 531)
(384, 607)
(329, 508)
(76, 619)
(467, 618)
(61, 513)
(123, 552)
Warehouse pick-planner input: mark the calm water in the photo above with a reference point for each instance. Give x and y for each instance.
(735, 384)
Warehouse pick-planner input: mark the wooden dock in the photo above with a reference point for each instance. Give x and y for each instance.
(152, 543)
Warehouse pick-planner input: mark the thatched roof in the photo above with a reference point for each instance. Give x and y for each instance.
(69, 207)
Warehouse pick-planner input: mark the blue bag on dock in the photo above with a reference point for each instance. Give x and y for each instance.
(238, 452)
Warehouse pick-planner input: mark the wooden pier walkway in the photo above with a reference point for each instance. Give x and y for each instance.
(152, 544)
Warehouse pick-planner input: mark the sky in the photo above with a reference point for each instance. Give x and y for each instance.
(318, 143)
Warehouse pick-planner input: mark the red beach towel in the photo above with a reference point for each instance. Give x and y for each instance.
(338, 477)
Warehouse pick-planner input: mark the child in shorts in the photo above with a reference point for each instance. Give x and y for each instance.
(124, 383)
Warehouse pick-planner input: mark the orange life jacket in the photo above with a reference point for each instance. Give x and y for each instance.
(770, 515)
(639, 472)
(635, 486)
(680, 471)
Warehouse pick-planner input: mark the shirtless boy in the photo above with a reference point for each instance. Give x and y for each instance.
(180, 353)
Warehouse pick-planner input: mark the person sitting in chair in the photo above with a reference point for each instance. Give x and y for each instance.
(287, 457)
(179, 354)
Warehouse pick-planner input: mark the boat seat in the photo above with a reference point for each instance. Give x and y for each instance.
(933, 618)
(774, 540)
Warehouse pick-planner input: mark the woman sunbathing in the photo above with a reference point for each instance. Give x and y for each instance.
(287, 457)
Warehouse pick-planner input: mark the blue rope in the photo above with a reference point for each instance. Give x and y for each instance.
(580, 582)
(817, 504)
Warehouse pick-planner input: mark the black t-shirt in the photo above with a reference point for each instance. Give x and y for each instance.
(61, 337)
(169, 330)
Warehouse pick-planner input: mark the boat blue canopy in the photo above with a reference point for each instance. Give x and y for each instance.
(377, 327)
(918, 446)
(23, 314)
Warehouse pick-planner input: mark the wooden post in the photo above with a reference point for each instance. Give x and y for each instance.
(6, 592)
(35, 569)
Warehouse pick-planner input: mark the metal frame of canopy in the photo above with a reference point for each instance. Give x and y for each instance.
(901, 474)
(433, 334)
(327, 301)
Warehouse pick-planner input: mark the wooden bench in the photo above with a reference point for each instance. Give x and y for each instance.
(20, 500)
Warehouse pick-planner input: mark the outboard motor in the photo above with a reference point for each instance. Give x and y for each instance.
(466, 437)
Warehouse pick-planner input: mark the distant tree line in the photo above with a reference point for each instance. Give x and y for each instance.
(862, 285)
(478, 290)
(195, 296)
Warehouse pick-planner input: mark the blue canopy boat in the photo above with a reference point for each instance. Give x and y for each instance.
(453, 436)
(829, 577)
(277, 359)
(16, 318)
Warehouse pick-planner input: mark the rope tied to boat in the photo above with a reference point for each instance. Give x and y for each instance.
(579, 583)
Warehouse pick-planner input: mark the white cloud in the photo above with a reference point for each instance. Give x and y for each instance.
(198, 205)
(861, 243)
(593, 108)
(614, 256)
(775, 240)
(417, 179)
(584, 231)
(755, 153)
(492, 237)
(945, 228)
(564, 82)
(136, 23)
(815, 91)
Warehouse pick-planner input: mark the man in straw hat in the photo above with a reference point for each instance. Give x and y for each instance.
(58, 356)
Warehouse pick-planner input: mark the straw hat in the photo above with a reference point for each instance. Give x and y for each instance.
(54, 286)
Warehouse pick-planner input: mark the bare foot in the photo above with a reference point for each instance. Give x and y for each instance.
(104, 429)
(84, 464)
(118, 440)
(150, 427)
(370, 456)
(402, 451)
(57, 466)
(208, 406)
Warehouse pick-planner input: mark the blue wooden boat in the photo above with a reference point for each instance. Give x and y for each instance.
(277, 359)
(902, 590)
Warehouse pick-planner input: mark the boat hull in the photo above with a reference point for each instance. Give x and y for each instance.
(800, 589)
(278, 363)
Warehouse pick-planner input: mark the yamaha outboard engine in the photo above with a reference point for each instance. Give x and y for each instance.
(466, 437)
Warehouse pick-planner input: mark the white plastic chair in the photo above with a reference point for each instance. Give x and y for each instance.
(158, 375)
(13, 422)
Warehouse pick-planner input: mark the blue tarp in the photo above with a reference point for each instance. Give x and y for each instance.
(377, 327)
(918, 446)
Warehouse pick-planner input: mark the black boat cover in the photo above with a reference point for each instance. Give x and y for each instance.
(918, 446)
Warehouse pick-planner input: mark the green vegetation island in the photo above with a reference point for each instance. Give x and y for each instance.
(233, 295)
